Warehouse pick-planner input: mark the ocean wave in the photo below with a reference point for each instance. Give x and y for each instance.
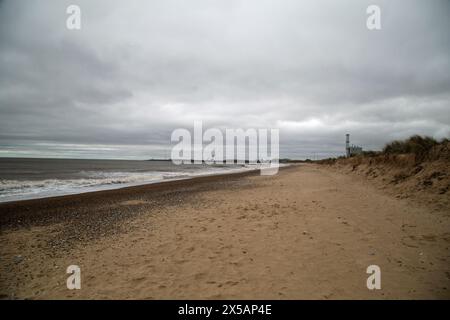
(11, 190)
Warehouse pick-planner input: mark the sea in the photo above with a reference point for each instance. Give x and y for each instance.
(25, 178)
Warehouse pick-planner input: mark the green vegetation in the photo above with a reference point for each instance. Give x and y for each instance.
(415, 144)
(419, 146)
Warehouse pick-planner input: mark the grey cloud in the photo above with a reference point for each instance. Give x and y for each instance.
(135, 71)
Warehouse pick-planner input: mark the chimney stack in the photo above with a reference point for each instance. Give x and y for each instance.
(347, 145)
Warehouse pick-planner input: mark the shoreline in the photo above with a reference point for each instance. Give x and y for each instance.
(23, 212)
(306, 233)
(108, 187)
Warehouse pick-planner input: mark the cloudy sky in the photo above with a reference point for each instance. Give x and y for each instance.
(139, 69)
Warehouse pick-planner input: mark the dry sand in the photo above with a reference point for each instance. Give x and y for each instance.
(307, 233)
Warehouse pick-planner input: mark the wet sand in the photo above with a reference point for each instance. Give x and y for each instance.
(307, 233)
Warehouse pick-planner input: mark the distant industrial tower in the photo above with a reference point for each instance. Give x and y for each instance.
(347, 145)
(351, 150)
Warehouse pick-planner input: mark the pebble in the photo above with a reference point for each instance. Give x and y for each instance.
(18, 259)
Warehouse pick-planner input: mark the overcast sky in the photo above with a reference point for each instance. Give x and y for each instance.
(139, 69)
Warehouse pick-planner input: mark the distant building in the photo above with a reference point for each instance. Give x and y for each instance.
(351, 150)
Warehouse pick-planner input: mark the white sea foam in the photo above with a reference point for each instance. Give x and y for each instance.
(11, 190)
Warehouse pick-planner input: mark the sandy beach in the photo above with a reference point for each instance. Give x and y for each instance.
(307, 233)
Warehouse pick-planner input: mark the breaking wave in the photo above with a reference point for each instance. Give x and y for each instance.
(11, 190)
